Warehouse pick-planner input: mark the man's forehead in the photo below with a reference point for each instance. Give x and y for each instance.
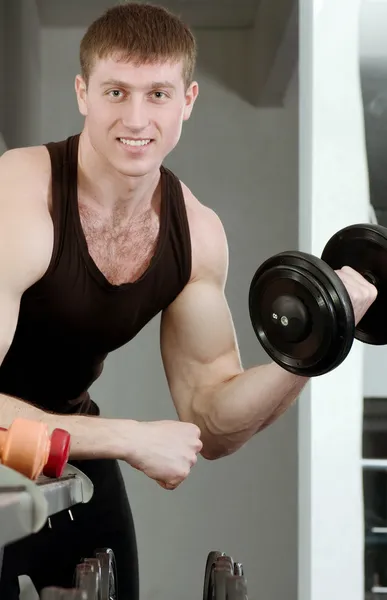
(144, 71)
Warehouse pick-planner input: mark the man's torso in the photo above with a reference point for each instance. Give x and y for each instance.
(120, 251)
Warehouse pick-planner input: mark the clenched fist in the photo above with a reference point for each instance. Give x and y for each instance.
(165, 451)
(361, 292)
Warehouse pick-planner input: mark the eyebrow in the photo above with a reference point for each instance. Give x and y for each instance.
(124, 84)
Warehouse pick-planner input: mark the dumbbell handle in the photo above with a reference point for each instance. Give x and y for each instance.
(27, 448)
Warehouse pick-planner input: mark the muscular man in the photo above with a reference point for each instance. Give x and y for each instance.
(96, 238)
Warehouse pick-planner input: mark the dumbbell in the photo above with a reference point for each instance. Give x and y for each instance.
(27, 448)
(88, 580)
(301, 311)
(98, 575)
(223, 578)
(208, 571)
(56, 593)
(236, 588)
(108, 573)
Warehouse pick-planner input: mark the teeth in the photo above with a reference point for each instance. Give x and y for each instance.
(134, 142)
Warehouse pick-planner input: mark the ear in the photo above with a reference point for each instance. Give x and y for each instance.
(81, 92)
(190, 97)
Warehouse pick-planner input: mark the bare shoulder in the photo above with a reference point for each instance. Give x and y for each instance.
(24, 155)
(208, 239)
(26, 227)
(25, 183)
(28, 168)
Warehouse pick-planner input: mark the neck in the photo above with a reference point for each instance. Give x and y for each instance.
(111, 190)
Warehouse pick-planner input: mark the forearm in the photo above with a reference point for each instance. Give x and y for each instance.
(233, 412)
(91, 437)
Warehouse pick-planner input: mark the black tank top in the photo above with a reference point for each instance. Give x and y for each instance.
(73, 316)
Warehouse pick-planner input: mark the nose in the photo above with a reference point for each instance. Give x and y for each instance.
(135, 117)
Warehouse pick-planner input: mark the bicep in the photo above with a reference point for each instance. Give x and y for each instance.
(198, 343)
(25, 243)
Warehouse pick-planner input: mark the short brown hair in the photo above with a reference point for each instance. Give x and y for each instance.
(142, 33)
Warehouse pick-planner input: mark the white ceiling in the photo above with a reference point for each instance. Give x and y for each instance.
(197, 13)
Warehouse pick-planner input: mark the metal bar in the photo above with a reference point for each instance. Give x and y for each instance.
(26, 505)
(62, 494)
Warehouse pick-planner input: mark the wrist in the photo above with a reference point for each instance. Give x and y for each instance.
(97, 437)
(124, 439)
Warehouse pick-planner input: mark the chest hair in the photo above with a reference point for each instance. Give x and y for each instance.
(121, 249)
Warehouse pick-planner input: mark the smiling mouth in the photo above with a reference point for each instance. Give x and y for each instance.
(134, 143)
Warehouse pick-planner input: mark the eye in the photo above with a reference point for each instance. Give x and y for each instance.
(115, 93)
(159, 95)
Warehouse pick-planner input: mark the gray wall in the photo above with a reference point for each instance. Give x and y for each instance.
(22, 78)
(246, 169)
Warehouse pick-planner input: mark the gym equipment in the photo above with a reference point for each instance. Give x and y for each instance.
(208, 583)
(55, 593)
(97, 576)
(236, 588)
(223, 579)
(88, 580)
(301, 311)
(27, 448)
(108, 573)
(59, 453)
(220, 574)
(26, 506)
(364, 248)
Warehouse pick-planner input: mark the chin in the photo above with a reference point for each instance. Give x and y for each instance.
(135, 168)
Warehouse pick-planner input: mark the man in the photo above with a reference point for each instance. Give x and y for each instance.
(97, 237)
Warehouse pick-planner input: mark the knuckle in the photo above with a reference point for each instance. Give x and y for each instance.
(183, 474)
(347, 269)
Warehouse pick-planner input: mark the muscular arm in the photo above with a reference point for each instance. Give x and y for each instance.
(201, 358)
(26, 238)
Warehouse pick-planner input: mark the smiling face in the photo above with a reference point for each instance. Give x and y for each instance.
(134, 113)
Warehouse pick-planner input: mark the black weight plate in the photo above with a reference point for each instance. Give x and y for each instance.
(108, 573)
(208, 582)
(364, 248)
(321, 328)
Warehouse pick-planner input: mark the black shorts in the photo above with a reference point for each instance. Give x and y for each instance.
(50, 556)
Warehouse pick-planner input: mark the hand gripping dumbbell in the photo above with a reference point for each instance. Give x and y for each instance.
(27, 448)
(301, 311)
(223, 578)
